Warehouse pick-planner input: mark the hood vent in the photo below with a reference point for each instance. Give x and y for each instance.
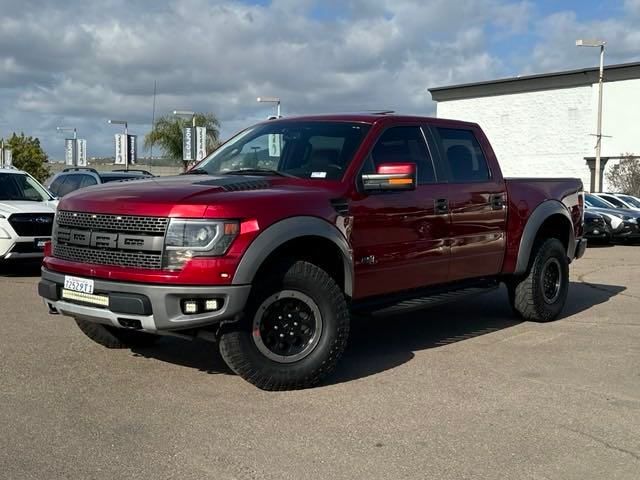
(230, 184)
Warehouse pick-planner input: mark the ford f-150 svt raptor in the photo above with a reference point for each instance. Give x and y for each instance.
(273, 240)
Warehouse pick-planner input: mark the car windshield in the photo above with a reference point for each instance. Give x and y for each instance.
(631, 200)
(593, 201)
(18, 186)
(315, 150)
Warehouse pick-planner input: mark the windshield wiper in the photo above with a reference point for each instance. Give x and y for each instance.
(258, 171)
(196, 171)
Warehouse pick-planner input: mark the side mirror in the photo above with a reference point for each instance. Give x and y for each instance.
(391, 176)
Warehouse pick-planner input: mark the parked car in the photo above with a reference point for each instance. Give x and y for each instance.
(73, 178)
(596, 228)
(26, 215)
(616, 201)
(629, 199)
(271, 242)
(623, 222)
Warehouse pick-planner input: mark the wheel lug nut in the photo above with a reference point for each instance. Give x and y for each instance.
(282, 335)
(289, 315)
(275, 327)
(291, 333)
(295, 324)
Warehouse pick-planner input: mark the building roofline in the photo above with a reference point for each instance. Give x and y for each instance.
(530, 83)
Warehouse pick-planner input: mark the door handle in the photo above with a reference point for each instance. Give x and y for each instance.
(441, 206)
(497, 201)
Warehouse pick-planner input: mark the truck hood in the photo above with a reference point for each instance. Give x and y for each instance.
(9, 207)
(193, 195)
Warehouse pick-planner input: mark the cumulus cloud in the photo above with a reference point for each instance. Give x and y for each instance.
(81, 63)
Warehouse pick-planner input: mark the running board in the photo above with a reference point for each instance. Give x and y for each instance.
(424, 300)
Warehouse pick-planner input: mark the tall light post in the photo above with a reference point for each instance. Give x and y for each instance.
(598, 44)
(186, 113)
(275, 100)
(126, 140)
(74, 160)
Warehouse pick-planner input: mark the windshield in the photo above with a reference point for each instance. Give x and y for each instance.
(18, 186)
(631, 200)
(615, 201)
(593, 201)
(316, 150)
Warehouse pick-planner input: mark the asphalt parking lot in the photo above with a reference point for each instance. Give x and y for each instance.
(461, 391)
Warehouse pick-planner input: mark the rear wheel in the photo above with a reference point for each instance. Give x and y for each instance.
(540, 295)
(294, 330)
(113, 337)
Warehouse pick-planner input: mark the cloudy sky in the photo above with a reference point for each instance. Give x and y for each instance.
(79, 62)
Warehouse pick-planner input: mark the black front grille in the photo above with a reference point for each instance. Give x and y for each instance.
(32, 224)
(152, 261)
(26, 247)
(113, 223)
(102, 239)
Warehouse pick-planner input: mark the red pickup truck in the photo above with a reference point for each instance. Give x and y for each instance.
(271, 242)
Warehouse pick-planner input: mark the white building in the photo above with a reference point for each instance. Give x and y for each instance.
(545, 125)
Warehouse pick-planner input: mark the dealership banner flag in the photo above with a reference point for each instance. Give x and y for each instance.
(132, 148)
(201, 143)
(188, 144)
(121, 149)
(81, 149)
(70, 151)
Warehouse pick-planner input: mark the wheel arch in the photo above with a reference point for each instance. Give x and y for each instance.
(550, 219)
(303, 237)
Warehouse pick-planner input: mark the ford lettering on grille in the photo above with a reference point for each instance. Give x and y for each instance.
(117, 240)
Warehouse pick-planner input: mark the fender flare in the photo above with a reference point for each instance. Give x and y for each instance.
(290, 229)
(535, 221)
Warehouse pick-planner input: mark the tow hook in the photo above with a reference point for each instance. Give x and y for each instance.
(52, 309)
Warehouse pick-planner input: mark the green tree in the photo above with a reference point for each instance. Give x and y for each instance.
(625, 176)
(28, 155)
(167, 134)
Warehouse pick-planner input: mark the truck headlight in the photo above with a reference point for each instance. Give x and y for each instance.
(197, 238)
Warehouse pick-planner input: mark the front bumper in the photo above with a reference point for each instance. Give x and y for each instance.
(152, 308)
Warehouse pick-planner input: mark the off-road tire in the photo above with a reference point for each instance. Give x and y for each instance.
(113, 337)
(240, 352)
(526, 294)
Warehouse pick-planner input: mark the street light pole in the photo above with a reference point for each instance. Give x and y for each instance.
(126, 140)
(601, 44)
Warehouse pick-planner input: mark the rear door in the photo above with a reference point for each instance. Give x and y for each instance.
(477, 204)
(399, 238)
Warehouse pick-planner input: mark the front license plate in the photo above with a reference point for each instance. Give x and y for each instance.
(77, 284)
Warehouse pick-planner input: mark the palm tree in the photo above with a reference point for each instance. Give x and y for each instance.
(167, 134)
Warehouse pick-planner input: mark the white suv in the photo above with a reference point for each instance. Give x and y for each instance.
(26, 215)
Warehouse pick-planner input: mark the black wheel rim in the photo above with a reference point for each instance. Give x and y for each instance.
(287, 326)
(551, 280)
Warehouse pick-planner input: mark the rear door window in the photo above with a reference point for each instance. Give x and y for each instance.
(464, 157)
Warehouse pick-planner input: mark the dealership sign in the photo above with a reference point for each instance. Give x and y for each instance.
(194, 143)
(121, 149)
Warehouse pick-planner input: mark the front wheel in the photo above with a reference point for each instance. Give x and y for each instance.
(294, 330)
(540, 295)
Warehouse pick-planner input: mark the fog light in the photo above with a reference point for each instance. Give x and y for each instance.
(211, 304)
(190, 307)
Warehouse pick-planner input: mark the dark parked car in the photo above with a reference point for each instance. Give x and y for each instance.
(596, 228)
(623, 222)
(71, 179)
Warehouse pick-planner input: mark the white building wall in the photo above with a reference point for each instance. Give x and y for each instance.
(548, 133)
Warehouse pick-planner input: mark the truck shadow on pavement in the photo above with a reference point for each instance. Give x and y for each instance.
(380, 344)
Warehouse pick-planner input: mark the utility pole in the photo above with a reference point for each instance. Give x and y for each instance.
(601, 44)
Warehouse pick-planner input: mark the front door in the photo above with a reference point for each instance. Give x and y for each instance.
(399, 238)
(477, 198)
